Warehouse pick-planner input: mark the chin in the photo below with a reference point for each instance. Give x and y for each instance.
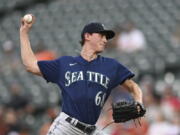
(99, 51)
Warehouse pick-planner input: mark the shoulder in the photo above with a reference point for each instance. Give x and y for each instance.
(113, 63)
(109, 60)
(65, 58)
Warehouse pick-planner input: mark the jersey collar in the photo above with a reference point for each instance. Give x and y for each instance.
(81, 60)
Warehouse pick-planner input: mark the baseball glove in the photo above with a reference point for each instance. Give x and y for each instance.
(124, 111)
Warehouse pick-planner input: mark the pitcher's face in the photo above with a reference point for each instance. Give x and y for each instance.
(98, 42)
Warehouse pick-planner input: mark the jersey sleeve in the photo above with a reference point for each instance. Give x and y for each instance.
(50, 70)
(122, 74)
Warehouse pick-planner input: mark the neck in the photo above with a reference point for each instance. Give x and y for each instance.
(88, 54)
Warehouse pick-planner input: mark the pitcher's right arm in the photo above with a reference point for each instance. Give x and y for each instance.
(27, 55)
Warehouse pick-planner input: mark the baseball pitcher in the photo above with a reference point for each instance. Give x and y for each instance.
(86, 81)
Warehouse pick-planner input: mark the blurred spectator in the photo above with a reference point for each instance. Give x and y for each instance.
(44, 129)
(17, 100)
(12, 61)
(8, 47)
(152, 104)
(175, 39)
(43, 54)
(13, 133)
(53, 112)
(111, 44)
(170, 103)
(131, 39)
(12, 122)
(162, 127)
(3, 125)
(130, 128)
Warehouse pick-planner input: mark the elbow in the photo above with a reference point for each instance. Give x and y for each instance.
(31, 67)
(28, 68)
(33, 71)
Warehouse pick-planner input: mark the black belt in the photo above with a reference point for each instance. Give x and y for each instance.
(85, 128)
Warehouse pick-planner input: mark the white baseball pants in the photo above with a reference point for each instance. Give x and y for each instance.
(61, 127)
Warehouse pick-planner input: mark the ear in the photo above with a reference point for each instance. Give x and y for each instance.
(87, 36)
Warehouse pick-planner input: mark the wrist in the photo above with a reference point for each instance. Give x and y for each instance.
(139, 100)
(24, 31)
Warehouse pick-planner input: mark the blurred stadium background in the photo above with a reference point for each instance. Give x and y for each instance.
(28, 104)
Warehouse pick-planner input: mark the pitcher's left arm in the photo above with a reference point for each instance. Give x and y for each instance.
(134, 89)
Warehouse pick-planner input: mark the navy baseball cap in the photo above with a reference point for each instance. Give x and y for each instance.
(96, 27)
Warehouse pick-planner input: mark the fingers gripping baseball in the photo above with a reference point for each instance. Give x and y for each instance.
(26, 22)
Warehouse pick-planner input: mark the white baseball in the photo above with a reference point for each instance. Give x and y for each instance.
(28, 18)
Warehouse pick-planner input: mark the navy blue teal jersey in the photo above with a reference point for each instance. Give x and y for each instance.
(85, 85)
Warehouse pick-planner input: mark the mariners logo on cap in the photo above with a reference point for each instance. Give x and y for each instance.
(103, 26)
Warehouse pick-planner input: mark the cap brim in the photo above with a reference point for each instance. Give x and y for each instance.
(109, 33)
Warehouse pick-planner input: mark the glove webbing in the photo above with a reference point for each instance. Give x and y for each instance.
(139, 121)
